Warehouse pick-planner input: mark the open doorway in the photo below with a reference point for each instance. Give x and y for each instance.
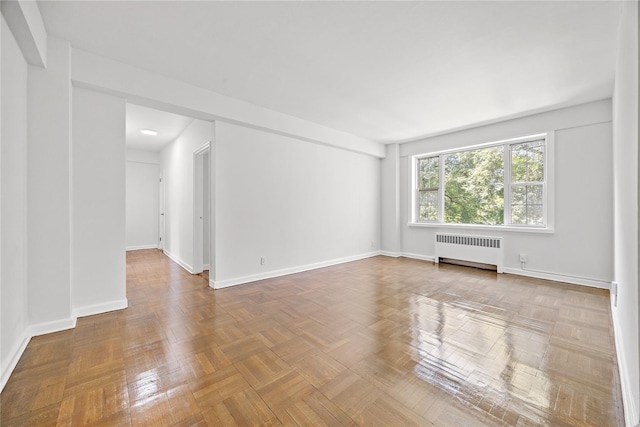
(202, 211)
(177, 208)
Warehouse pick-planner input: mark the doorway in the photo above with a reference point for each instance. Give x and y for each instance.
(202, 210)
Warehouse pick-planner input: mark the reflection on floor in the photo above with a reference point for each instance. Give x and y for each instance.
(380, 341)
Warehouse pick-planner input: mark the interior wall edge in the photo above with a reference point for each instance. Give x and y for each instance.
(178, 261)
(630, 409)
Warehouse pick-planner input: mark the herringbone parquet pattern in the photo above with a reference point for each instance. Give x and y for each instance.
(381, 341)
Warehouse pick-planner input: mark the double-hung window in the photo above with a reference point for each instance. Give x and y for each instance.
(502, 184)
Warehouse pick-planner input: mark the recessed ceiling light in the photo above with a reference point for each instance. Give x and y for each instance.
(149, 132)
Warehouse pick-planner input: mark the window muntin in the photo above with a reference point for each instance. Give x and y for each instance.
(428, 187)
(500, 184)
(527, 183)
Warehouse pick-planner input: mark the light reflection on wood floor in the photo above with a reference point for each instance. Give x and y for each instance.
(380, 341)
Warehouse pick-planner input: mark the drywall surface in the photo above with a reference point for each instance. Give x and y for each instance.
(155, 91)
(177, 169)
(581, 246)
(625, 159)
(13, 214)
(99, 276)
(142, 199)
(49, 199)
(390, 203)
(293, 203)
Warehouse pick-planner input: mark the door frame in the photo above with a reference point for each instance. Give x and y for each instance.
(161, 216)
(198, 208)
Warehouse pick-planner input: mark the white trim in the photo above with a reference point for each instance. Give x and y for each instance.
(206, 267)
(391, 254)
(90, 310)
(556, 277)
(55, 326)
(509, 228)
(628, 401)
(140, 247)
(51, 327)
(418, 256)
(15, 354)
(286, 271)
(178, 261)
(548, 184)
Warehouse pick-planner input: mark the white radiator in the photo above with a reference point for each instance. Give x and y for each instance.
(480, 249)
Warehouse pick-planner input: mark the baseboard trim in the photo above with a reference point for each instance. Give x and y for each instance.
(51, 327)
(391, 254)
(418, 256)
(141, 247)
(90, 310)
(16, 354)
(631, 415)
(55, 326)
(592, 283)
(286, 271)
(178, 261)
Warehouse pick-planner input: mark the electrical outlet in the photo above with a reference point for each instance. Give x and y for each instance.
(263, 260)
(523, 257)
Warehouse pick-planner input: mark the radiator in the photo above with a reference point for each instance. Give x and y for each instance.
(479, 249)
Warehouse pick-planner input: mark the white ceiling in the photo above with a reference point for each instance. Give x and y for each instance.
(387, 71)
(169, 126)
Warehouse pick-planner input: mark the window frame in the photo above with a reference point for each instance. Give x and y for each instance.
(547, 186)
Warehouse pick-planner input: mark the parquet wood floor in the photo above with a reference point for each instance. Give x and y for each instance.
(381, 341)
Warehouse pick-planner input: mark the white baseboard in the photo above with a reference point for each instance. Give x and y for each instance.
(391, 254)
(418, 256)
(15, 354)
(137, 248)
(90, 310)
(178, 261)
(51, 327)
(286, 271)
(55, 326)
(206, 267)
(631, 415)
(592, 283)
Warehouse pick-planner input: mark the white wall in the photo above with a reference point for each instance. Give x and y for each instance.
(580, 249)
(177, 169)
(142, 208)
(13, 212)
(296, 203)
(625, 149)
(49, 199)
(98, 267)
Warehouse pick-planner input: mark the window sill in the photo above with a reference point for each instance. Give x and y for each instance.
(534, 230)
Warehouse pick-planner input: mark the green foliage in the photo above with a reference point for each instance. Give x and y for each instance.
(474, 187)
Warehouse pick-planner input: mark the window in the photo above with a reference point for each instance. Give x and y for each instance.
(499, 184)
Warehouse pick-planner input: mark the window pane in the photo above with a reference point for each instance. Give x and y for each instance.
(474, 187)
(527, 161)
(527, 204)
(534, 214)
(518, 214)
(428, 170)
(428, 209)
